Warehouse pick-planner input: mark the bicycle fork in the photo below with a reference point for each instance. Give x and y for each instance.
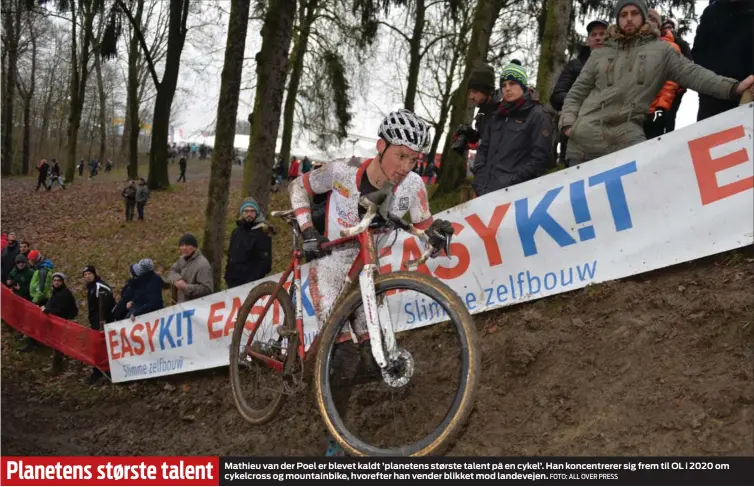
(379, 325)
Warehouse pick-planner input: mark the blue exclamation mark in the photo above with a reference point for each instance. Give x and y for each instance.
(581, 210)
(178, 328)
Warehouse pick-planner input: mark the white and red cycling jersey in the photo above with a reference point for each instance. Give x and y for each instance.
(343, 181)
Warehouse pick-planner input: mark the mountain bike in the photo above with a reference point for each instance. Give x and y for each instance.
(423, 392)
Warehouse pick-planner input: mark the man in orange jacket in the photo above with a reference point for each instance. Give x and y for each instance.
(655, 123)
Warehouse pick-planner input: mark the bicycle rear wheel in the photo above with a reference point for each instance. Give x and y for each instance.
(258, 390)
(422, 411)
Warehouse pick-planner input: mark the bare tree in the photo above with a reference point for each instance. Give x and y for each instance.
(272, 61)
(11, 35)
(26, 90)
(224, 152)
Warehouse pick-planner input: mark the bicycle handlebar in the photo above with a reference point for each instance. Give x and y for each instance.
(371, 214)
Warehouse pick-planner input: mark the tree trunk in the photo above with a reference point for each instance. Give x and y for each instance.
(158, 153)
(300, 47)
(552, 52)
(223, 154)
(12, 27)
(272, 60)
(458, 51)
(453, 169)
(415, 57)
(102, 103)
(80, 74)
(47, 111)
(28, 97)
(131, 123)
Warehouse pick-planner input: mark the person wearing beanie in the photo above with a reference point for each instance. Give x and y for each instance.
(19, 279)
(191, 275)
(517, 142)
(250, 249)
(605, 109)
(100, 305)
(724, 43)
(145, 290)
(61, 304)
(595, 39)
(129, 196)
(482, 94)
(654, 126)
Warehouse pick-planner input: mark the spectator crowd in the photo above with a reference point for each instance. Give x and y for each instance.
(624, 87)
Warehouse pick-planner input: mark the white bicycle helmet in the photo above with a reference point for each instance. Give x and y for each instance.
(403, 127)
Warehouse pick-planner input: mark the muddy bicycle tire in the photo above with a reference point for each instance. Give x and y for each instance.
(249, 413)
(463, 403)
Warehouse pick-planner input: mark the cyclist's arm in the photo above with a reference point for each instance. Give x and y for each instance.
(421, 217)
(305, 187)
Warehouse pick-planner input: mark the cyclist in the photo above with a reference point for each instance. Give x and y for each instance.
(403, 137)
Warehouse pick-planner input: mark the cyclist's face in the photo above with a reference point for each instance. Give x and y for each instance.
(397, 160)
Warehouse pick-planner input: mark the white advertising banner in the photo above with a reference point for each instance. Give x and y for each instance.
(685, 195)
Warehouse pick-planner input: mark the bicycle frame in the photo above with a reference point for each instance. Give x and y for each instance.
(367, 256)
(364, 269)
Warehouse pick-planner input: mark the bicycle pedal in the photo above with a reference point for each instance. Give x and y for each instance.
(287, 332)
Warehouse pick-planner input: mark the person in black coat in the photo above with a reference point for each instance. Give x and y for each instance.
(481, 94)
(517, 142)
(43, 169)
(100, 304)
(146, 289)
(8, 259)
(596, 31)
(61, 304)
(724, 43)
(250, 250)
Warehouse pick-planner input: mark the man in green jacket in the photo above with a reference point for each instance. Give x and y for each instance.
(40, 287)
(605, 109)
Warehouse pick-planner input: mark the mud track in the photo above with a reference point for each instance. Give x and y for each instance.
(660, 364)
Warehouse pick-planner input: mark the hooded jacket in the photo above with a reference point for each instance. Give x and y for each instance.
(249, 254)
(41, 282)
(514, 148)
(147, 293)
(606, 107)
(62, 303)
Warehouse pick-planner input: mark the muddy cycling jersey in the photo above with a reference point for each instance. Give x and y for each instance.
(342, 180)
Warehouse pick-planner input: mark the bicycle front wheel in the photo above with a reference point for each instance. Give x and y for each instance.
(258, 390)
(421, 404)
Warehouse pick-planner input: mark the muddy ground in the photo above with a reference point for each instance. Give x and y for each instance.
(659, 364)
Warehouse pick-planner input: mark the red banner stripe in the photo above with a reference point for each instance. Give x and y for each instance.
(110, 471)
(73, 339)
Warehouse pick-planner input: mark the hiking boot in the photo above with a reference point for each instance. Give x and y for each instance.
(93, 378)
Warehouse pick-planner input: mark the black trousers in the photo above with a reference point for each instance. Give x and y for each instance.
(140, 210)
(130, 210)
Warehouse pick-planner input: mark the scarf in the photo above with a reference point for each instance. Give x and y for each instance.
(508, 107)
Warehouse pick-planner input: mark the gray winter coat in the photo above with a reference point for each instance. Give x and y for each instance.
(514, 148)
(607, 104)
(142, 193)
(197, 273)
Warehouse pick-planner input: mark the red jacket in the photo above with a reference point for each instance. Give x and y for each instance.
(293, 170)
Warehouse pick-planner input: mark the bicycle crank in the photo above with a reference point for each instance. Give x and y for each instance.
(400, 370)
